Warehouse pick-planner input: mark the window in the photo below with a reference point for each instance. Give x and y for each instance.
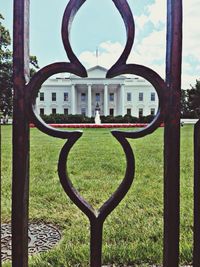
(83, 111)
(111, 97)
(53, 96)
(66, 96)
(53, 110)
(140, 112)
(41, 111)
(128, 112)
(128, 96)
(140, 96)
(83, 97)
(153, 96)
(111, 111)
(66, 111)
(97, 97)
(153, 111)
(41, 96)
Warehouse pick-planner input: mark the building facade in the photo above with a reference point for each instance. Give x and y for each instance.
(116, 96)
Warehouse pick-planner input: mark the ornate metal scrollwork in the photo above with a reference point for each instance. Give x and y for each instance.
(96, 217)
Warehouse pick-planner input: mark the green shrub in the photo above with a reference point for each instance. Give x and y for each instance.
(61, 118)
(149, 118)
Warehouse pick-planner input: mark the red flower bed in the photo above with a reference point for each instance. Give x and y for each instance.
(103, 125)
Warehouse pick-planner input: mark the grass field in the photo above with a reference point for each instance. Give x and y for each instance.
(133, 232)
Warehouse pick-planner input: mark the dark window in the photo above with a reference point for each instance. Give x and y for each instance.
(111, 97)
(140, 112)
(41, 111)
(153, 97)
(66, 96)
(66, 111)
(140, 96)
(83, 97)
(53, 96)
(128, 111)
(41, 96)
(53, 110)
(128, 96)
(97, 97)
(153, 111)
(111, 112)
(83, 111)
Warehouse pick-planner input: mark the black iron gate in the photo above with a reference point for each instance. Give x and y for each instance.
(25, 93)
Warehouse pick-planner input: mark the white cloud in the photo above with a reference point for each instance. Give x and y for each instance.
(150, 51)
(146, 55)
(191, 37)
(188, 80)
(151, 48)
(140, 21)
(109, 54)
(191, 33)
(157, 12)
(154, 13)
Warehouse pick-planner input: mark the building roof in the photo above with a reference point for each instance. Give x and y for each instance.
(97, 67)
(98, 72)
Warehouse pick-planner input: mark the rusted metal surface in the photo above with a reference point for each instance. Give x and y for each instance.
(172, 135)
(0, 193)
(169, 111)
(20, 176)
(196, 260)
(96, 217)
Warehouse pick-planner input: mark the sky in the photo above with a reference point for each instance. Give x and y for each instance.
(98, 24)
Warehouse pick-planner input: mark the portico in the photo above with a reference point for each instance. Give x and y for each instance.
(108, 93)
(87, 96)
(117, 96)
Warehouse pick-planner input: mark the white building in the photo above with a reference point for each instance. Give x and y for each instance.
(116, 96)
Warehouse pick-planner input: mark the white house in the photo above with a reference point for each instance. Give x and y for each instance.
(116, 96)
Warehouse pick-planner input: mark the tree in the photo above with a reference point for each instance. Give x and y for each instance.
(194, 98)
(6, 71)
(34, 63)
(186, 111)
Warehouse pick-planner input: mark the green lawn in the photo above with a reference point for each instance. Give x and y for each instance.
(133, 232)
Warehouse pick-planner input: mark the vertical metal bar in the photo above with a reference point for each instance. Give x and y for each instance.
(96, 243)
(196, 251)
(20, 175)
(172, 135)
(0, 194)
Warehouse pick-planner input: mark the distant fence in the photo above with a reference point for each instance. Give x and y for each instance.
(189, 121)
(7, 121)
(115, 125)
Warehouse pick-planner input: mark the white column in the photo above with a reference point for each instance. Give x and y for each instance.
(73, 100)
(105, 100)
(89, 100)
(122, 99)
